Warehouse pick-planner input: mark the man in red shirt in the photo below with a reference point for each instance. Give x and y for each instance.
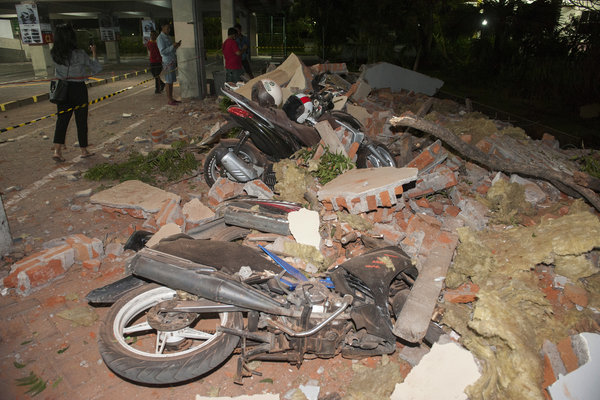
(155, 62)
(233, 57)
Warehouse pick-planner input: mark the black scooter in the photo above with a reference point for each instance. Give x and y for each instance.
(267, 135)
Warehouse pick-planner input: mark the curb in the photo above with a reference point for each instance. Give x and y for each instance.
(11, 105)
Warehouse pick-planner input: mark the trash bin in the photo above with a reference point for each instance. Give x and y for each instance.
(219, 81)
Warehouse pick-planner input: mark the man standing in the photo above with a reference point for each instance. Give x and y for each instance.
(155, 62)
(244, 45)
(167, 51)
(233, 57)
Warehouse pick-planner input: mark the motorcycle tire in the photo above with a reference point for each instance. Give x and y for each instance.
(128, 344)
(212, 171)
(366, 159)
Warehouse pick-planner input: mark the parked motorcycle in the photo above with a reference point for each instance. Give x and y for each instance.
(266, 135)
(189, 303)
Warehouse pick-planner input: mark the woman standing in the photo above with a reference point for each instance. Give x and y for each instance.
(74, 66)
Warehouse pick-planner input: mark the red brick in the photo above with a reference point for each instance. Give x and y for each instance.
(453, 211)
(398, 190)
(386, 201)
(565, 348)
(371, 202)
(352, 150)
(576, 294)
(422, 202)
(549, 377)
(327, 204)
(564, 210)
(92, 265)
(42, 273)
(465, 293)
(341, 203)
(466, 138)
(484, 145)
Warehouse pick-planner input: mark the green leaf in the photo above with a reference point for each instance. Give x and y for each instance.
(19, 365)
(35, 383)
(266, 380)
(26, 342)
(63, 350)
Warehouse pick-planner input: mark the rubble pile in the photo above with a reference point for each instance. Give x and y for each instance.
(503, 229)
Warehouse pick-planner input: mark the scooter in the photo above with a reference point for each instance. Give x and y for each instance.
(266, 135)
(189, 303)
(199, 300)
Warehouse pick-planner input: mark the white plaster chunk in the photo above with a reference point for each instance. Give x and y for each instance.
(164, 232)
(304, 226)
(134, 194)
(583, 383)
(195, 211)
(450, 366)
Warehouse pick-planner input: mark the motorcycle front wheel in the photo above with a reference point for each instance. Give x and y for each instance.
(213, 171)
(140, 343)
(378, 157)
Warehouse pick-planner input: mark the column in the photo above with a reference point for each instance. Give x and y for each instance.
(227, 16)
(43, 66)
(187, 24)
(252, 34)
(5, 238)
(112, 52)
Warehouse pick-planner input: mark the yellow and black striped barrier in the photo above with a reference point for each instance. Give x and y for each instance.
(76, 107)
(44, 96)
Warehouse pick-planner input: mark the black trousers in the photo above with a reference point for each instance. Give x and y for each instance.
(156, 69)
(77, 95)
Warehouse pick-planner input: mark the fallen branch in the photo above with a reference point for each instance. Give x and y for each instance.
(562, 181)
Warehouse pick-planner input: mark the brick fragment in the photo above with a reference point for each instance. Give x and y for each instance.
(222, 190)
(465, 293)
(259, 189)
(576, 294)
(91, 265)
(170, 212)
(568, 356)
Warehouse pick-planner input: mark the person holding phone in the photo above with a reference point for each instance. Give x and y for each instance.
(169, 60)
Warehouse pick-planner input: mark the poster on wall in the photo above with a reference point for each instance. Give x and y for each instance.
(109, 28)
(147, 27)
(29, 24)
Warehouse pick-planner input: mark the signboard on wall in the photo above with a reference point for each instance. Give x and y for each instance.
(147, 27)
(109, 28)
(34, 24)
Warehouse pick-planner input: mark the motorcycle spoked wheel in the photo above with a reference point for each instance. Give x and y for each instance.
(212, 170)
(366, 159)
(135, 350)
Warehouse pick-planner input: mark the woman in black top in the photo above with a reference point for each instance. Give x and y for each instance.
(74, 66)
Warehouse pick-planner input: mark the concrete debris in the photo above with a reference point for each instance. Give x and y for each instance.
(164, 232)
(581, 383)
(386, 75)
(450, 366)
(243, 397)
(362, 190)
(133, 197)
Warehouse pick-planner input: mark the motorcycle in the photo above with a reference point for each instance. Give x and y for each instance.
(190, 303)
(266, 135)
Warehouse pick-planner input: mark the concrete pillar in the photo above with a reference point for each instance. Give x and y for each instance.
(187, 23)
(112, 52)
(227, 17)
(43, 66)
(5, 238)
(252, 34)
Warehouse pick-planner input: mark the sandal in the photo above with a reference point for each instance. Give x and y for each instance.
(58, 158)
(86, 155)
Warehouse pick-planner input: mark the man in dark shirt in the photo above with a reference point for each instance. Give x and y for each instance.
(155, 62)
(244, 45)
(233, 57)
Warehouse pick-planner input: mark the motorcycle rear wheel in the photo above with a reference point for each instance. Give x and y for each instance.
(185, 348)
(366, 159)
(212, 170)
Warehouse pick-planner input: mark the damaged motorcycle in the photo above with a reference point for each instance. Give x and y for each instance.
(189, 303)
(264, 135)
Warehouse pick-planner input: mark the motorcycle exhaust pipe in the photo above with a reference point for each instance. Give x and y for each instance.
(236, 167)
(204, 282)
